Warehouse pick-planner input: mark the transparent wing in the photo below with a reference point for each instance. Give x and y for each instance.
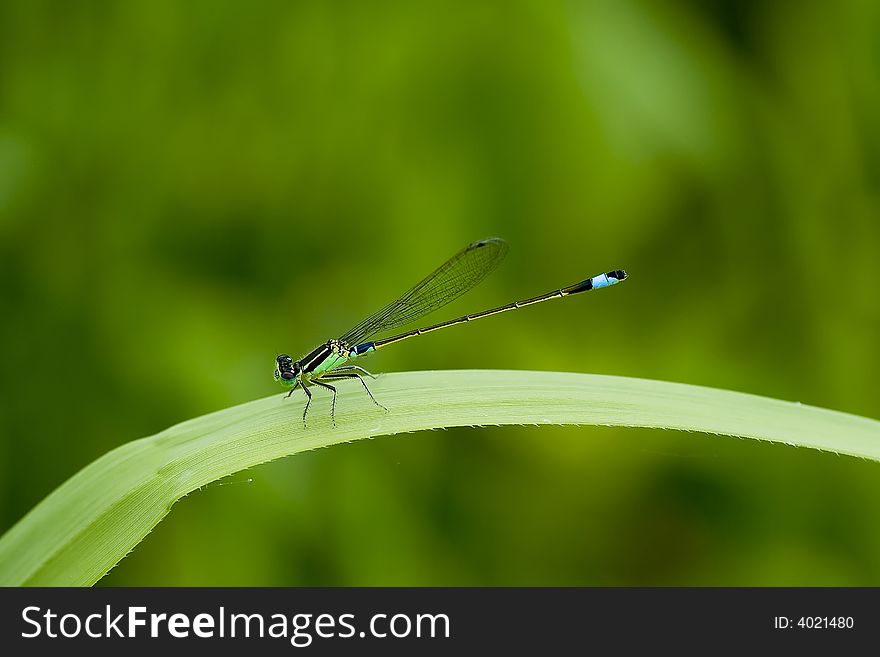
(448, 282)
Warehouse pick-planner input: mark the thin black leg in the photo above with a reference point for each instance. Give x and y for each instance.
(333, 403)
(336, 374)
(308, 403)
(355, 368)
(295, 385)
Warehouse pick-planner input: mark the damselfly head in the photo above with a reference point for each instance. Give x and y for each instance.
(286, 369)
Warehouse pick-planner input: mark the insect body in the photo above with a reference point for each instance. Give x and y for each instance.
(322, 366)
(330, 362)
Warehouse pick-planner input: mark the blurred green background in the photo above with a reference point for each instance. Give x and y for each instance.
(187, 189)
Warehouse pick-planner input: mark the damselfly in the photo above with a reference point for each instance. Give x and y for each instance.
(331, 361)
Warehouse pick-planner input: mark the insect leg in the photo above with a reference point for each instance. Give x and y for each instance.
(341, 374)
(356, 368)
(333, 403)
(291, 390)
(308, 403)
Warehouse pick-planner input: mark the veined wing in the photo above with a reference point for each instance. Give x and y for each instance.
(448, 282)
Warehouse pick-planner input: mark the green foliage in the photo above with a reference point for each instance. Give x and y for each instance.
(92, 521)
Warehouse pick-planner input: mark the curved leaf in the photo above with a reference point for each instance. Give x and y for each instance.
(87, 525)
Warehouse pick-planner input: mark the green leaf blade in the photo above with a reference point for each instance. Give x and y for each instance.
(87, 525)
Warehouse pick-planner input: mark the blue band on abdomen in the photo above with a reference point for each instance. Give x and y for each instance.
(601, 280)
